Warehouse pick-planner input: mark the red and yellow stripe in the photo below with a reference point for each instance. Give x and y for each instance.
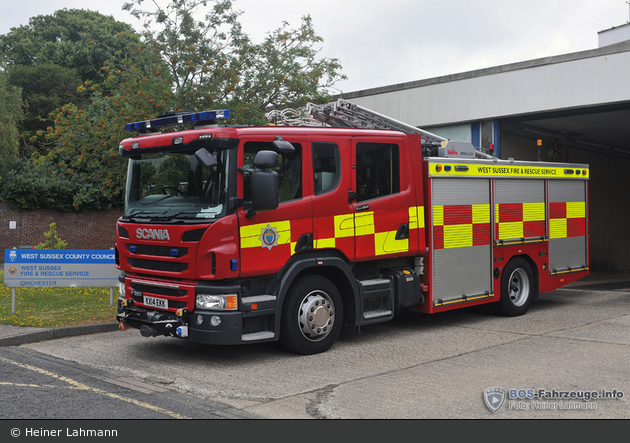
(520, 220)
(460, 226)
(567, 219)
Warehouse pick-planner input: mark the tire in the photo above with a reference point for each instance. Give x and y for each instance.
(312, 316)
(518, 288)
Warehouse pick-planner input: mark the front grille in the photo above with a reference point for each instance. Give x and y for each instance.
(158, 251)
(157, 265)
(159, 290)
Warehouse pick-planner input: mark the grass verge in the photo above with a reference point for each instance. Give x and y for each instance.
(55, 307)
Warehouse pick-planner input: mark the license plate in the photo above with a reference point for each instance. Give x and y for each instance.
(156, 302)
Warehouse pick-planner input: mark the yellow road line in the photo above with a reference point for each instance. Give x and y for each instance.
(76, 385)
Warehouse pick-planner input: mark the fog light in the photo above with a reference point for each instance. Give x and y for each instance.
(215, 320)
(199, 319)
(121, 289)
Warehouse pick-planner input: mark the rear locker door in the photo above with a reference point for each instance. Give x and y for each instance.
(567, 226)
(461, 238)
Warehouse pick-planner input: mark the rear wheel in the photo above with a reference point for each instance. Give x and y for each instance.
(312, 316)
(518, 288)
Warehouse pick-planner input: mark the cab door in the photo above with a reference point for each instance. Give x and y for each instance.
(268, 238)
(380, 196)
(333, 212)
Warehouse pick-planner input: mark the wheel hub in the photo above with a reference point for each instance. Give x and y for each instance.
(519, 287)
(316, 316)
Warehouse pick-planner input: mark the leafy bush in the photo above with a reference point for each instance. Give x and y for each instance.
(28, 186)
(52, 240)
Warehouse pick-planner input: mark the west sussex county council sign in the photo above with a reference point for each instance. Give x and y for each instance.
(37, 268)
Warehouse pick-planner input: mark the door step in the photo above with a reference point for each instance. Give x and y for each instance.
(263, 335)
(377, 300)
(374, 314)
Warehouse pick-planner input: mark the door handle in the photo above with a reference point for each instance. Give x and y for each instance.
(352, 196)
(304, 243)
(403, 232)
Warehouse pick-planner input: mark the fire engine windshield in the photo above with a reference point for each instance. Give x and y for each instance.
(175, 185)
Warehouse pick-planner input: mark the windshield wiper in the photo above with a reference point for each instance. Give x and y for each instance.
(177, 214)
(143, 214)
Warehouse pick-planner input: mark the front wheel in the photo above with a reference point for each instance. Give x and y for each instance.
(518, 288)
(312, 316)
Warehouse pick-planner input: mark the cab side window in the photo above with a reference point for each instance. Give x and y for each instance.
(378, 170)
(289, 170)
(326, 167)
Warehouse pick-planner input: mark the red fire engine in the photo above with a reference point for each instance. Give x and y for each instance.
(237, 234)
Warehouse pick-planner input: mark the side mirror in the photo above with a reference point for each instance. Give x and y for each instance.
(265, 190)
(205, 158)
(282, 145)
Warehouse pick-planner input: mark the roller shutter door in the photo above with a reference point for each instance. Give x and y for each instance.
(567, 226)
(461, 237)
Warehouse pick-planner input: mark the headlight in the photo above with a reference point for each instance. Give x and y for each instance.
(121, 288)
(216, 302)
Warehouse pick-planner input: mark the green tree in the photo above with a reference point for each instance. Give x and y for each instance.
(45, 89)
(72, 38)
(203, 56)
(52, 55)
(215, 64)
(287, 70)
(11, 113)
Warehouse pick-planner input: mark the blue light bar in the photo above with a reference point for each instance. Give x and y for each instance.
(178, 120)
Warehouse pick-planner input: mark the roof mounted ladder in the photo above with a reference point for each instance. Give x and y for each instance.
(344, 114)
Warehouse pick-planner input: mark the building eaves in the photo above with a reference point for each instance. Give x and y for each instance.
(528, 64)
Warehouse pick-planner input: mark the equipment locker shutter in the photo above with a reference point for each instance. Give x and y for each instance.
(519, 210)
(567, 226)
(461, 238)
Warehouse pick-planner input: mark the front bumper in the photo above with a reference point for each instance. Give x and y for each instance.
(211, 327)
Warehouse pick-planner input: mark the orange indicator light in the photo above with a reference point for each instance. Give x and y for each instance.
(230, 302)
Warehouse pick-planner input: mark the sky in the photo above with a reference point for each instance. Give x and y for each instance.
(386, 42)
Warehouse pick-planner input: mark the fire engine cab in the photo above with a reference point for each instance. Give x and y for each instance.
(238, 234)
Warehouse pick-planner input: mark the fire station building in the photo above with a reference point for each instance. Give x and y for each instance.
(571, 108)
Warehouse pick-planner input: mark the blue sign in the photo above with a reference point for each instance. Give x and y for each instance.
(36, 268)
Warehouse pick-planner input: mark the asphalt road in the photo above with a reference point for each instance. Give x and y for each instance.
(415, 367)
(36, 386)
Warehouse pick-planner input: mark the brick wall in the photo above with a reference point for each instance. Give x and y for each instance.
(82, 230)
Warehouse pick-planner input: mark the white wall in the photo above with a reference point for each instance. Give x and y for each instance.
(613, 35)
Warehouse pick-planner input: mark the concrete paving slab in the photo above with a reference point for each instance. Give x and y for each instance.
(453, 388)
